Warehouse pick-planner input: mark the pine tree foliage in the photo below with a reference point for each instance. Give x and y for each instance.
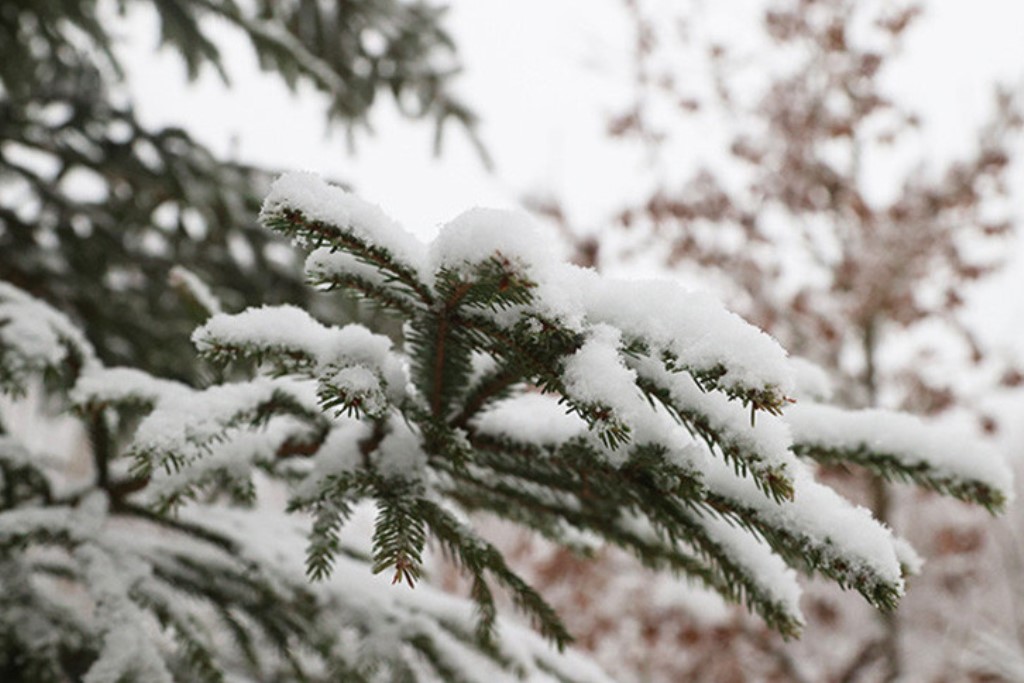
(900, 448)
(96, 207)
(576, 405)
(347, 50)
(98, 583)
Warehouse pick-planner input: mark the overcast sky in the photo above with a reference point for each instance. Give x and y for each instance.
(544, 75)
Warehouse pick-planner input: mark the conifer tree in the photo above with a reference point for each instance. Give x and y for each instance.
(101, 583)
(590, 410)
(96, 207)
(593, 411)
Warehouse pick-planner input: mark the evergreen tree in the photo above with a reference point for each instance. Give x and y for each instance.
(593, 411)
(100, 583)
(95, 207)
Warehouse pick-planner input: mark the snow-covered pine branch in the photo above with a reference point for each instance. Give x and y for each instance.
(35, 340)
(100, 584)
(906, 448)
(632, 411)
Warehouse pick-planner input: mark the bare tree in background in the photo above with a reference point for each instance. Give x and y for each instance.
(814, 225)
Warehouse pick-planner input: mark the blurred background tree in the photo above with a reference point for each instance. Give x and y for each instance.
(808, 208)
(96, 208)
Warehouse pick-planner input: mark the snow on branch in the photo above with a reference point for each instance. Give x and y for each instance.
(100, 387)
(761, 447)
(905, 447)
(329, 269)
(315, 214)
(817, 530)
(399, 632)
(126, 652)
(633, 412)
(356, 371)
(661, 405)
(35, 338)
(186, 426)
(105, 568)
(773, 576)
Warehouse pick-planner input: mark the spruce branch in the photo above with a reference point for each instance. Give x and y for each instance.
(491, 387)
(477, 556)
(668, 497)
(200, 659)
(294, 224)
(739, 450)
(442, 355)
(814, 555)
(371, 289)
(331, 507)
(904, 448)
(895, 468)
(765, 398)
(546, 513)
(399, 532)
(569, 412)
(187, 528)
(263, 403)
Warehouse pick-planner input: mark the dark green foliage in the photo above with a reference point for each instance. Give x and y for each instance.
(157, 198)
(477, 558)
(893, 468)
(399, 533)
(100, 581)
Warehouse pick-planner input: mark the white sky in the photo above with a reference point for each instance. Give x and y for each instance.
(543, 75)
(527, 75)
